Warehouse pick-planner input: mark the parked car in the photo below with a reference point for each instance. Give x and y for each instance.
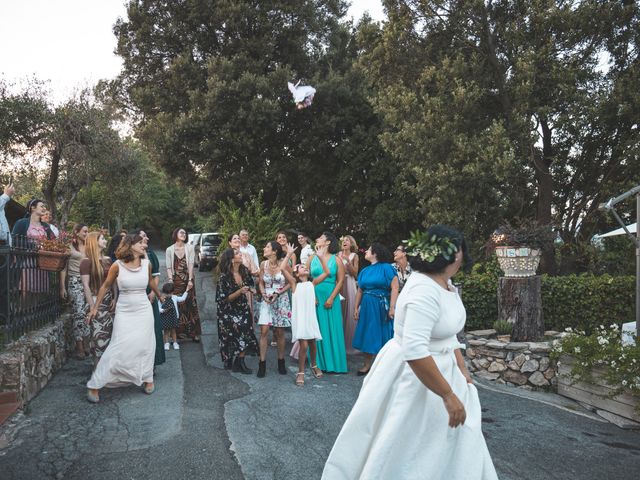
(207, 256)
(194, 240)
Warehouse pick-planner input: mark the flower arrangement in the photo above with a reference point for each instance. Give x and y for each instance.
(603, 348)
(58, 245)
(420, 244)
(531, 234)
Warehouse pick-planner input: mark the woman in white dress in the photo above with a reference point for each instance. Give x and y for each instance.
(418, 414)
(129, 357)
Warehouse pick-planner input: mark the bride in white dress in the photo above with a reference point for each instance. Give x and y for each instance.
(129, 357)
(418, 413)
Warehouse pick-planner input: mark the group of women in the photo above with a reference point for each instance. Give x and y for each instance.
(354, 308)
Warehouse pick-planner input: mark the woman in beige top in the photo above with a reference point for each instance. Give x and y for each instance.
(71, 288)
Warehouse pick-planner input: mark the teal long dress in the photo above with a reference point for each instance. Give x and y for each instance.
(157, 322)
(332, 356)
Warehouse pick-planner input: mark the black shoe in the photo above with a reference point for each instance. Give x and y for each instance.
(281, 368)
(228, 364)
(239, 366)
(262, 369)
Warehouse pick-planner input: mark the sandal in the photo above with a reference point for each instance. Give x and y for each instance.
(316, 371)
(300, 381)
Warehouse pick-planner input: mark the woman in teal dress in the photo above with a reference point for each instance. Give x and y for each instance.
(332, 356)
(375, 304)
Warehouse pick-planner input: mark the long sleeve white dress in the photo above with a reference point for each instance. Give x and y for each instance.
(398, 428)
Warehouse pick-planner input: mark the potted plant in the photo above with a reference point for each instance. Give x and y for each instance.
(600, 370)
(53, 254)
(518, 248)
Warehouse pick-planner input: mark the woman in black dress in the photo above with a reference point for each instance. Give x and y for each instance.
(235, 331)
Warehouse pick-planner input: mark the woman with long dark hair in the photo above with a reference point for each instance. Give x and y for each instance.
(235, 327)
(332, 356)
(419, 389)
(375, 303)
(129, 358)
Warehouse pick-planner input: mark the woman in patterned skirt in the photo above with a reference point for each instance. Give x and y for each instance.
(235, 327)
(179, 259)
(71, 287)
(93, 270)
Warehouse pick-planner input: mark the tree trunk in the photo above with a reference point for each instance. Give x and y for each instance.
(49, 189)
(545, 194)
(520, 303)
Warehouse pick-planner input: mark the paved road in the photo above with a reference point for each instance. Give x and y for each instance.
(204, 422)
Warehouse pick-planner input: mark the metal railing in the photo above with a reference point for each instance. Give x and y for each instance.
(29, 296)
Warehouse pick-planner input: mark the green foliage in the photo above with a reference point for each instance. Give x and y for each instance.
(601, 351)
(229, 218)
(577, 301)
(502, 327)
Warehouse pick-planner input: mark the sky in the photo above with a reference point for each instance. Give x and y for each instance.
(70, 43)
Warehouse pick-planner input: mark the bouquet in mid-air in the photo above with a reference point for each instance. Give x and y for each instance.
(302, 94)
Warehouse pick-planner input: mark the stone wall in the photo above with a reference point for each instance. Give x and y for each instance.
(521, 364)
(28, 364)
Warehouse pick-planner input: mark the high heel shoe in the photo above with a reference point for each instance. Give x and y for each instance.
(282, 370)
(316, 372)
(262, 368)
(300, 379)
(149, 388)
(92, 397)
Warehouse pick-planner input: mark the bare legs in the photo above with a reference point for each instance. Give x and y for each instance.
(264, 339)
(368, 361)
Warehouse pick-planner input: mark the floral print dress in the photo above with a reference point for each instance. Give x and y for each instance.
(278, 313)
(235, 328)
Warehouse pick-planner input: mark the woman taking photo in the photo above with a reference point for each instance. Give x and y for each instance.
(332, 356)
(235, 327)
(130, 354)
(179, 260)
(275, 310)
(93, 270)
(71, 287)
(350, 260)
(419, 389)
(401, 266)
(375, 304)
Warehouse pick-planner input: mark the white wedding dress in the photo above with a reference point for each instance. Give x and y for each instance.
(129, 356)
(398, 428)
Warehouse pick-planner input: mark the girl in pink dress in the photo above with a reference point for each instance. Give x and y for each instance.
(350, 260)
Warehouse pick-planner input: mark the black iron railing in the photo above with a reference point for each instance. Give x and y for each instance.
(29, 296)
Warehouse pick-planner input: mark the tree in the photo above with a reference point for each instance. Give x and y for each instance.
(502, 109)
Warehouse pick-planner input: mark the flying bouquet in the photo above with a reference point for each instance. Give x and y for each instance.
(302, 95)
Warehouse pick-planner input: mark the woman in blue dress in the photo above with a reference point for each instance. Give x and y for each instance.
(375, 304)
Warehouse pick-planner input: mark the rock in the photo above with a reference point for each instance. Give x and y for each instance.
(544, 364)
(513, 365)
(481, 363)
(470, 353)
(619, 421)
(475, 343)
(549, 373)
(495, 344)
(514, 377)
(497, 367)
(488, 352)
(537, 379)
(520, 359)
(483, 333)
(529, 366)
(540, 347)
(488, 376)
(550, 333)
(500, 381)
(510, 356)
(490, 359)
(517, 346)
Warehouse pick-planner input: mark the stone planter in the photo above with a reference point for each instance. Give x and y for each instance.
(518, 261)
(596, 394)
(52, 261)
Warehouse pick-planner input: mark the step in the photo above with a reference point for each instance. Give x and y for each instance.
(8, 397)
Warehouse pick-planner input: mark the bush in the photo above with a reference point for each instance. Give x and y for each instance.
(579, 301)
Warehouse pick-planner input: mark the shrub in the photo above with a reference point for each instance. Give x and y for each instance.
(502, 327)
(578, 301)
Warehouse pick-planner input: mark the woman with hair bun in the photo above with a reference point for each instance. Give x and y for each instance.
(375, 304)
(418, 389)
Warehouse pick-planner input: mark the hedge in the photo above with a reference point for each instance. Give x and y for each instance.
(577, 301)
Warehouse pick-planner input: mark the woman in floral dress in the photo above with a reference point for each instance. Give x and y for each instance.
(235, 328)
(276, 308)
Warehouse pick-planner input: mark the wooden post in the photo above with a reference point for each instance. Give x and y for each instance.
(520, 303)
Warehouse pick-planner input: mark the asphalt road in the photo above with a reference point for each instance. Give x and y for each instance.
(205, 422)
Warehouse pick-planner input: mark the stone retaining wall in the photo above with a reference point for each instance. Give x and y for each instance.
(521, 364)
(28, 364)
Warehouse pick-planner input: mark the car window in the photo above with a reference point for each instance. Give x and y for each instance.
(210, 240)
